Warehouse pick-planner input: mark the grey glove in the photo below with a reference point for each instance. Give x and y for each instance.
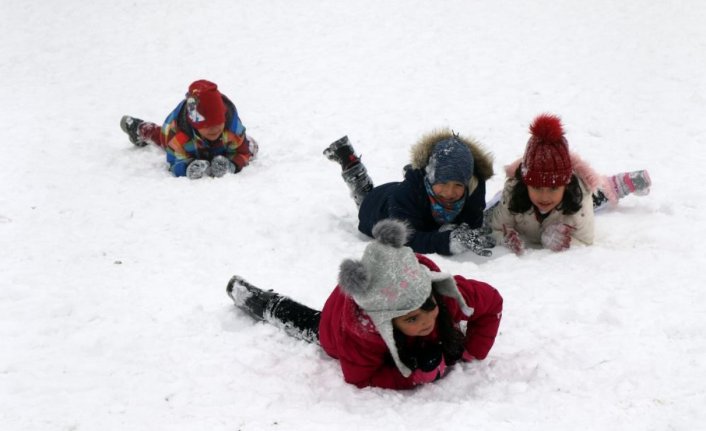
(197, 169)
(477, 240)
(220, 165)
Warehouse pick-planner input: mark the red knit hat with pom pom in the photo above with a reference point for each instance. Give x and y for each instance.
(204, 105)
(546, 162)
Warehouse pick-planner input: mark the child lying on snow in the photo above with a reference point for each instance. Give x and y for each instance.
(393, 320)
(203, 135)
(442, 196)
(550, 195)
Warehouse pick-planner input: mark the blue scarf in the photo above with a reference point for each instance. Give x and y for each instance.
(443, 212)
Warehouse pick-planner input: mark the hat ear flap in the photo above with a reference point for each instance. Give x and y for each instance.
(353, 277)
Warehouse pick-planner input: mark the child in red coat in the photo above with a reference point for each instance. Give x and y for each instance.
(393, 320)
(202, 136)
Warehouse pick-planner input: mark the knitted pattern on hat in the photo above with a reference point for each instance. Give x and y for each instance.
(546, 162)
(204, 105)
(389, 282)
(450, 160)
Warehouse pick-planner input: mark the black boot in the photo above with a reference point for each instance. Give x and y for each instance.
(130, 126)
(342, 152)
(257, 302)
(599, 199)
(358, 181)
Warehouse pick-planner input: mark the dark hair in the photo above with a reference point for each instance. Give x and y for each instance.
(520, 201)
(450, 337)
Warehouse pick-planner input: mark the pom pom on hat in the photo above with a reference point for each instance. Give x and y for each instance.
(547, 128)
(391, 232)
(353, 277)
(204, 105)
(546, 162)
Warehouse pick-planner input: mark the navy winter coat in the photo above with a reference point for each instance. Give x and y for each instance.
(408, 200)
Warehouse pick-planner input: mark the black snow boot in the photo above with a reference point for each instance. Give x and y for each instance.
(599, 199)
(358, 182)
(130, 126)
(257, 302)
(342, 152)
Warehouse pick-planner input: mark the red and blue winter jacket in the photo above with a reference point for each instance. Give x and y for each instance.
(183, 144)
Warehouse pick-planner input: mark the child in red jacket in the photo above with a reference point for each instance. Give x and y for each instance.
(203, 135)
(393, 320)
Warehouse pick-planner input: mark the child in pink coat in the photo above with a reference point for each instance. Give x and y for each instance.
(393, 321)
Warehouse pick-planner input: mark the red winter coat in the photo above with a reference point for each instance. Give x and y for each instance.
(347, 333)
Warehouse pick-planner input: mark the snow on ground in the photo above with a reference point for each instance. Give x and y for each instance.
(113, 313)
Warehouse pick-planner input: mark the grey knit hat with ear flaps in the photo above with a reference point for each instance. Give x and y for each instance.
(389, 282)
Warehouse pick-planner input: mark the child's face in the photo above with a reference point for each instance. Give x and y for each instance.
(546, 198)
(212, 133)
(449, 192)
(417, 323)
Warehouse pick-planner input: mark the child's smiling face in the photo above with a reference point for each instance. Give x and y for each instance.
(546, 198)
(449, 192)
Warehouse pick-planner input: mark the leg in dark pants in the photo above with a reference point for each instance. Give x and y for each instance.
(353, 171)
(296, 319)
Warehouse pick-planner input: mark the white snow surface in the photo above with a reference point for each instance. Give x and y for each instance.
(113, 312)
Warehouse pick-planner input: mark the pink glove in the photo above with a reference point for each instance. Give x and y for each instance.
(512, 240)
(420, 376)
(467, 356)
(557, 236)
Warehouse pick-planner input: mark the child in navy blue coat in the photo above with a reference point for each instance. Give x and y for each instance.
(441, 198)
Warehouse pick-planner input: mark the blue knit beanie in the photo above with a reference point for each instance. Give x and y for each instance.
(451, 160)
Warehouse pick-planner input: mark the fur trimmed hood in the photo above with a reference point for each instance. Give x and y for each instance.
(422, 150)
